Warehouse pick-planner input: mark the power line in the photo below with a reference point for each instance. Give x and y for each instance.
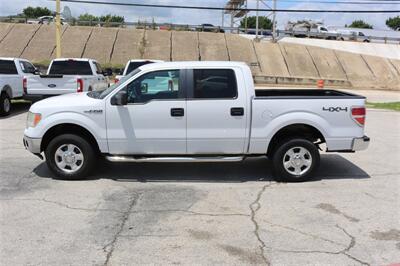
(341, 2)
(230, 9)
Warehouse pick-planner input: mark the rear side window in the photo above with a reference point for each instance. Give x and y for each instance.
(70, 67)
(214, 84)
(133, 65)
(8, 67)
(27, 67)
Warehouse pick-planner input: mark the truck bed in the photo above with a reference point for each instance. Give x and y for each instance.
(304, 94)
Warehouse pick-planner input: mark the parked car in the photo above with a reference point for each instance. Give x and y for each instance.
(67, 75)
(181, 112)
(132, 65)
(13, 74)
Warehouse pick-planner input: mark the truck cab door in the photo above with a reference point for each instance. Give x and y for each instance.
(216, 112)
(154, 119)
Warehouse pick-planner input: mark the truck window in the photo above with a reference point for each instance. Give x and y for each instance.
(133, 65)
(70, 67)
(214, 84)
(157, 85)
(27, 67)
(99, 70)
(8, 67)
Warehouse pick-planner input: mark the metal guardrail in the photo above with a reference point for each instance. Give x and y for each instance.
(262, 33)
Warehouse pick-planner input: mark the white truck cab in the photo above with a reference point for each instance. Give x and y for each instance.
(194, 112)
(13, 75)
(67, 75)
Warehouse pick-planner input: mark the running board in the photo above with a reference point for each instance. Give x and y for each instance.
(174, 159)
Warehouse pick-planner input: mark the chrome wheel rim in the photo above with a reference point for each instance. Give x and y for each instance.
(297, 161)
(69, 158)
(6, 105)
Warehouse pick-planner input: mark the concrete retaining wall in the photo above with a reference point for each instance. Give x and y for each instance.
(213, 47)
(128, 45)
(15, 42)
(73, 41)
(42, 44)
(5, 29)
(100, 45)
(157, 45)
(281, 62)
(185, 46)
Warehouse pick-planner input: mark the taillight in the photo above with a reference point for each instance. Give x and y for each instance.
(25, 85)
(79, 85)
(116, 80)
(358, 114)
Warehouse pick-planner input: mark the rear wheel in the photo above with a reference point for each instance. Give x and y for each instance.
(70, 157)
(295, 160)
(5, 104)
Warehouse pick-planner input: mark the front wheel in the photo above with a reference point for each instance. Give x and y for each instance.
(70, 157)
(295, 160)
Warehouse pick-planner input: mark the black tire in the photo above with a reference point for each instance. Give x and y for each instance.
(83, 146)
(5, 104)
(282, 174)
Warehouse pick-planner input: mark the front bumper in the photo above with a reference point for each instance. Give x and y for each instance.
(32, 144)
(360, 144)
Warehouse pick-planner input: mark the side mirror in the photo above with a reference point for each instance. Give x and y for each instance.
(36, 71)
(120, 99)
(144, 88)
(107, 72)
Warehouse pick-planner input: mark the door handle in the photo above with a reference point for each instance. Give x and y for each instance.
(237, 111)
(177, 112)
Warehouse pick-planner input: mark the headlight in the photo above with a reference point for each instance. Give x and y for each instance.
(33, 119)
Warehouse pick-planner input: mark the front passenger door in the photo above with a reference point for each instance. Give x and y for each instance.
(154, 120)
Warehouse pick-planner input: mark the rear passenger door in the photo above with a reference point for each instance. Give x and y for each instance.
(216, 111)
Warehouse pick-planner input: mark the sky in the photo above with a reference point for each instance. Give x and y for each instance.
(185, 16)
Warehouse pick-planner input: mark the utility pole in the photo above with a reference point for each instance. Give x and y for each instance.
(245, 20)
(257, 18)
(274, 22)
(58, 29)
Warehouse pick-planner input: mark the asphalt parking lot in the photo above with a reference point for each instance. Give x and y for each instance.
(227, 213)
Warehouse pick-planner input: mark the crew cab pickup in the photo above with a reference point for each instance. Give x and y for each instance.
(13, 74)
(194, 112)
(66, 75)
(132, 65)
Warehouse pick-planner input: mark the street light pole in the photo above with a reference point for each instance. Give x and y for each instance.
(58, 29)
(257, 19)
(274, 22)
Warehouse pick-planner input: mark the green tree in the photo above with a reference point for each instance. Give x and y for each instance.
(110, 19)
(35, 12)
(263, 23)
(393, 23)
(88, 19)
(360, 24)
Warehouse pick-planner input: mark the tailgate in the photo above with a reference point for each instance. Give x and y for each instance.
(51, 85)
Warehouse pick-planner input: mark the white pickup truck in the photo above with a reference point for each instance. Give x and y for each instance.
(13, 74)
(132, 65)
(194, 112)
(67, 75)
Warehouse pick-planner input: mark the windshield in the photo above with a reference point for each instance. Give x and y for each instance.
(101, 94)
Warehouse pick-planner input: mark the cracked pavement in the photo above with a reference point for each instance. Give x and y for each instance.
(231, 213)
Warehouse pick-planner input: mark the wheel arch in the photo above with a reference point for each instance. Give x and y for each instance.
(7, 89)
(68, 128)
(300, 130)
